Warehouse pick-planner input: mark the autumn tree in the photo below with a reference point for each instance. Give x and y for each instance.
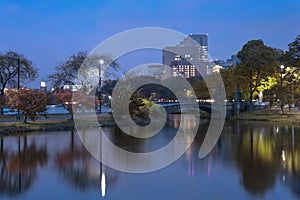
(30, 102)
(10, 62)
(74, 101)
(258, 61)
(64, 97)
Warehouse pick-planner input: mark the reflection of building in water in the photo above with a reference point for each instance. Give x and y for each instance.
(191, 162)
(189, 121)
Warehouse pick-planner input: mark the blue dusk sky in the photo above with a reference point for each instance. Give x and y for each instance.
(48, 31)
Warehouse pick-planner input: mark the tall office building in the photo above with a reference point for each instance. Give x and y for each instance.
(188, 55)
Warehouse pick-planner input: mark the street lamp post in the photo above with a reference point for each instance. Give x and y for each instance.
(293, 93)
(102, 173)
(281, 95)
(18, 73)
(18, 83)
(101, 62)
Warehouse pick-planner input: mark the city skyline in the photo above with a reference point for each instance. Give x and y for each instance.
(48, 32)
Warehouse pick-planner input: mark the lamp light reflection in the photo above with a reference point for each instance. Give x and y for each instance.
(103, 184)
(283, 156)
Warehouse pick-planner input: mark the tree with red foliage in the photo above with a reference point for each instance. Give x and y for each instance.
(64, 97)
(72, 104)
(30, 102)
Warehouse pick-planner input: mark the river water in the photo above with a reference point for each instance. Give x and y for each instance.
(251, 160)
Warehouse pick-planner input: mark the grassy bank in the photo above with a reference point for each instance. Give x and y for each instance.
(10, 126)
(65, 124)
(47, 125)
(272, 115)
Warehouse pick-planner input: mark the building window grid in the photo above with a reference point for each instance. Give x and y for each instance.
(184, 70)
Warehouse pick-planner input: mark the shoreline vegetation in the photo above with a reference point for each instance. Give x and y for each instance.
(8, 124)
(272, 115)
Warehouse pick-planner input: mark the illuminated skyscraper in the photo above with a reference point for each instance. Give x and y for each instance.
(188, 55)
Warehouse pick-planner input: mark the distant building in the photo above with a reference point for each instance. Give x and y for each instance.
(43, 86)
(188, 55)
(231, 62)
(217, 68)
(212, 68)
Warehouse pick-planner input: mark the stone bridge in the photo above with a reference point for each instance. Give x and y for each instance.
(174, 108)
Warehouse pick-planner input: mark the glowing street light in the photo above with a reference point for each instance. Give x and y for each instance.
(101, 62)
(281, 98)
(102, 174)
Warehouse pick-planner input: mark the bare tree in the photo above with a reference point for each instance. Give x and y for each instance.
(84, 63)
(10, 64)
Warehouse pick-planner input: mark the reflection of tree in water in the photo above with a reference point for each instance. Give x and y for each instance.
(293, 182)
(18, 169)
(79, 168)
(125, 141)
(256, 157)
(291, 165)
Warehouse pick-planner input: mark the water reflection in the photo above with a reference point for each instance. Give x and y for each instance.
(257, 159)
(250, 160)
(265, 154)
(79, 168)
(19, 165)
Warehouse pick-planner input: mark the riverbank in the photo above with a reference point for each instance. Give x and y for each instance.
(8, 124)
(272, 115)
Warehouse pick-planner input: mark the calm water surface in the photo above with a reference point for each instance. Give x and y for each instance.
(250, 161)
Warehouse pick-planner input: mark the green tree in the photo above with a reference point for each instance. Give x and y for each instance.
(201, 89)
(229, 80)
(292, 55)
(257, 62)
(139, 107)
(9, 63)
(291, 61)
